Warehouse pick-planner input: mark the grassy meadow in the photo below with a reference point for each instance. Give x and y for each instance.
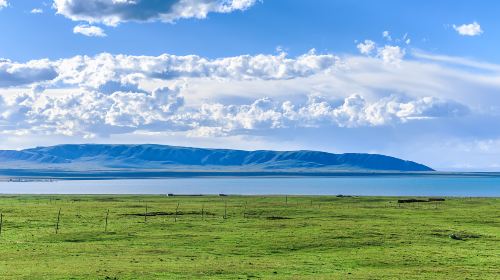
(248, 237)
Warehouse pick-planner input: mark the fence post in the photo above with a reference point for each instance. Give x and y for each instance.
(106, 226)
(203, 211)
(225, 209)
(176, 211)
(245, 210)
(58, 219)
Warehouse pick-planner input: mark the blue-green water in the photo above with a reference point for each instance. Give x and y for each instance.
(377, 185)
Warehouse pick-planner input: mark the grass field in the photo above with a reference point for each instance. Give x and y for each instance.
(253, 237)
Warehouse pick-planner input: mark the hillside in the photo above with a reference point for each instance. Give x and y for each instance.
(143, 157)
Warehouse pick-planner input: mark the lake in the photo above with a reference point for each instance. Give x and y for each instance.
(487, 186)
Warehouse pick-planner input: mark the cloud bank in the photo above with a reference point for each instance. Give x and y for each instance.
(92, 114)
(114, 94)
(101, 70)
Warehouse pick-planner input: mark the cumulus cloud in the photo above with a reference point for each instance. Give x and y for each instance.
(356, 111)
(114, 12)
(3, 4)
(18, 74)
(89, 30)
(93, 113)
(106, 73)
(391, 54)
(366, 47)
(108, 94)
(471, 29)
(115, 71)
(89, 113)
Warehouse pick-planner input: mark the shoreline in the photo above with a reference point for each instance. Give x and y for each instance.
(54, 175)
(207, 195)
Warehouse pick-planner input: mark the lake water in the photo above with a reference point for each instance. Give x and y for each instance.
(378, 185)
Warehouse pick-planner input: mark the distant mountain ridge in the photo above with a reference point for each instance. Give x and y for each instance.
(149, 156)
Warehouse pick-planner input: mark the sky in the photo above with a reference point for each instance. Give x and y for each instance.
(419, 80)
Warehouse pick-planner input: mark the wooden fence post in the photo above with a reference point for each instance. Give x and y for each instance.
(245, 210)
(203, 211)
(106, 226)
(58, 220)
(176, 211)
(225, 209)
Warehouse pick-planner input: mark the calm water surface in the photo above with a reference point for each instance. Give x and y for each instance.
(389, 186)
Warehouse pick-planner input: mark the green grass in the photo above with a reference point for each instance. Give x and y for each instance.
(318, 237)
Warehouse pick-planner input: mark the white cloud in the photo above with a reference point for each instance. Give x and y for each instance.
(485, 66)
(114, 94)
(3, 4)
(366, 47)
(89, 30)
(354, 111)
(387, 35)
(95, 114)
(471, 29)
(89, 113)
(36, 11)
(391, 54)
(114, 12)
(18, 74)
(105, 70)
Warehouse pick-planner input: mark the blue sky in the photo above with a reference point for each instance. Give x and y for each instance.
(271, 74)
(295, 25)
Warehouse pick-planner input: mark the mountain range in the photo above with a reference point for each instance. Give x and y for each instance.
(172, 158)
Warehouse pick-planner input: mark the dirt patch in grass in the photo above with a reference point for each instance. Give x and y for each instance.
(161, 213)
(413, 200)
(277, 218)
(106, 199)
